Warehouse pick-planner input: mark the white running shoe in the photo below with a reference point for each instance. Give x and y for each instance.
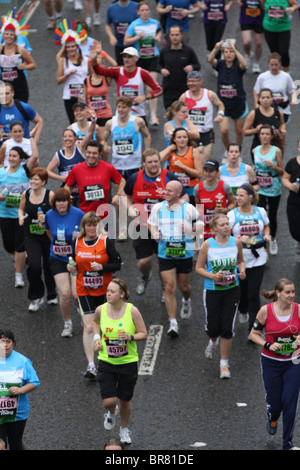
(19, 281)
(67, 332)
(125, 436)
(273, 247)
(186, 309)
(225, 372)
(255, 68)
(173, 330)
(210, 349)
(35, 304)
(97, 20)
(78, 5)
(110, 419)
(243, 317)
(142, 283)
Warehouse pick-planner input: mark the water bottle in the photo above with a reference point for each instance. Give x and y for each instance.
(75, 231)
(120, 342)
(297, 182)
(39, 212)
(5, 192)
(72, 263)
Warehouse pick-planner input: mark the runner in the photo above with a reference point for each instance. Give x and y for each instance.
(117, 326)
(221, 263)
(173, 224)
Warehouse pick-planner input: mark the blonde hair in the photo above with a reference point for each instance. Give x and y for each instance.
(216, 217)
(91, 218)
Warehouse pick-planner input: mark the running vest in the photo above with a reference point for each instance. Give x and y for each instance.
(91, 282)
(98, 99)
(251, 12)
(259, 118)
(235, 181)
(215, 12)
(126, 145)
(210, 199)
(73, 86)
(11, 73)
(14, 184)
(114, 352)
(65, 165)
(222, 258)
(132, 87)
(268, 178)
(32, 224)
(79, 134)
(146, 193)
(186, 180)
(200, 111)
(173, 244)
(282, 331)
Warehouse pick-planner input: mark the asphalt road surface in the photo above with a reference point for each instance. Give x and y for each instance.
(180, 404)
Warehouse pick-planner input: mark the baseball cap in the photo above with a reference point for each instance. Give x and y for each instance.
(130, 51)
(211, 165)
(80, 104)
(194, 74)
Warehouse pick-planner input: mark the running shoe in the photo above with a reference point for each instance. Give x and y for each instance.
(243, 317)
(210, 349)
(91, 372)
(53, 301)
(67, 332)
(19, 281)
(255, 68)
(186, 309)
(173, 330)
(154, 121)
(273, 247)
(97, 20)
(78, 5)
(35, 304)
(142, 283)
(272, 427)
(51, 23)
(225, 372)
(125, 436)
(110, 419)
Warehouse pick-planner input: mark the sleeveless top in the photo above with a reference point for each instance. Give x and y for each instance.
(259, 118)
(210, 199)
(187, 180)
(200, 111)
(91, 282)
(222, 258)
(114, 351)
(98, 98)
(13, 184)
(268, 178)
(11, 73)
(282, 331)
(235, 181)
(32, 224)
(73, 86)
(126, 145)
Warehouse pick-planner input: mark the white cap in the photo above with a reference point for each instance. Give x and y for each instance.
(130, 51)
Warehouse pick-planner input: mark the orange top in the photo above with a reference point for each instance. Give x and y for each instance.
(187, 159)
(91, 282)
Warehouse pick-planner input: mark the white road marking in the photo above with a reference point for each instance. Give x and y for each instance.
(151, 349)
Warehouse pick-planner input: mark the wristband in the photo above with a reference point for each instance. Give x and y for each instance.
(221, 113)
(103, 54)
(131, 338)
(96, 337)
(267, 345)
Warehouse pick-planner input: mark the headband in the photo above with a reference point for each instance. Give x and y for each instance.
(13, 22)
(68, 31)
(249, 190)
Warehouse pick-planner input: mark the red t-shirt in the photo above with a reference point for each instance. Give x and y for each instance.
(93, 184)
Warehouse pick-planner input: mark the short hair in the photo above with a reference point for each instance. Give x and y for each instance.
(149, 152)
(7, 333)
(95, 143)
(274, 55)
(234, 144)
(143, 2)
(10, 85)
(42, 173)
(265, 89)
(176, 26)
(125, 100)
(61, 194)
